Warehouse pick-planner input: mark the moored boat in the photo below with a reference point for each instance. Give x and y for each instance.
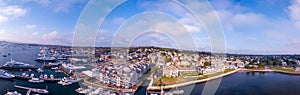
(12, 64)
(13, 93)
(36, 80)
(42, 91)
(5, 75)
(46, 59)
(67, 81)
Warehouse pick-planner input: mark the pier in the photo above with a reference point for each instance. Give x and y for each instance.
(46, 79)
(41, 91)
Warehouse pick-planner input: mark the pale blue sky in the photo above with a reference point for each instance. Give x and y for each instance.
(250, 26)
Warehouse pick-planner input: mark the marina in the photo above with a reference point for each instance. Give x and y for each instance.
(36, 90)
(14, 65)
(13, 76)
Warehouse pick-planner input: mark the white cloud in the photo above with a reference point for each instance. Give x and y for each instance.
(13, 11)
(30, 26)
(3, 19)
(50, 36)
(191, 28)
(2, 32)
(294, 14)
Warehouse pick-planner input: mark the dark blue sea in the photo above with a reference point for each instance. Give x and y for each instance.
(248, 83)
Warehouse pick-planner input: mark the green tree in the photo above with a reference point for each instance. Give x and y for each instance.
(248, 66)
(269, 62)
(207, 63)
(276, 62)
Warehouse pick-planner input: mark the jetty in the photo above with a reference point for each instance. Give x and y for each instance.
(36, 90)
(28, 77)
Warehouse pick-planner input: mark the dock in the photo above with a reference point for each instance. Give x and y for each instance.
(46, 79)
(41, 91)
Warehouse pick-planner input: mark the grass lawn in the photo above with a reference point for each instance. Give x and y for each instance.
(174, 80)
(228, 70)
(192, 73)
(285, 69)
(171, 80)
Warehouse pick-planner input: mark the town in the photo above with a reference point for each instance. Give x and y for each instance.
(124, 70)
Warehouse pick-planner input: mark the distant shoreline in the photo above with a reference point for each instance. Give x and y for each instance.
(71, 45)
(150, 87)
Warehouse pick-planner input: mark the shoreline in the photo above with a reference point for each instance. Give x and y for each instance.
(150, 87)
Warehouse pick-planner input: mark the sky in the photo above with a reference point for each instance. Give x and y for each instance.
(249, 26)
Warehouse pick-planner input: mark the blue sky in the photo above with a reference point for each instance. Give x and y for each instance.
(249, 26)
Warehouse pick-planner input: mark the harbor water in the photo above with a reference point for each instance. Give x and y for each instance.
(248, 83)
(28, 54)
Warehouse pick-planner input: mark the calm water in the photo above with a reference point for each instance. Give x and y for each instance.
(251, 83)
(28, 56)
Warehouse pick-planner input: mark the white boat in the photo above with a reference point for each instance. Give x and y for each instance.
(46, 59)
(45, 76)
(42, 91)
(36, 80)
(13, 93)
(54, 68)
(83, 91)
(67, 81)
(41, 76)
(18, 65)
(40, 70)
(5, 75)
(32, 76)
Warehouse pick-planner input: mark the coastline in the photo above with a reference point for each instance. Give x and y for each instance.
(150, 87)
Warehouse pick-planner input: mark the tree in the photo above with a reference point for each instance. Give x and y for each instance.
(269, 62)
(207, 63)
(261, 65)
(275, 63)
(248, 66)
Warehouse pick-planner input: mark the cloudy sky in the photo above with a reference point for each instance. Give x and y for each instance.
(249, 26)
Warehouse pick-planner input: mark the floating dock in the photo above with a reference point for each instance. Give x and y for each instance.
(41, 91)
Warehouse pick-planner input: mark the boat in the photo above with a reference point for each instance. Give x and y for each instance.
(46, 59)
(83, 91)
(42, 91)
(5, 75)
(67, 81)
(58, 71)
(40, 70)
(54, 68)
(18, 65)
(178, 92)
(51, 65)
(36, 80)
(13, 93)
(45, 76)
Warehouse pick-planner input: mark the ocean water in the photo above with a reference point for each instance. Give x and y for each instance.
(248, 83)
(28, 55)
